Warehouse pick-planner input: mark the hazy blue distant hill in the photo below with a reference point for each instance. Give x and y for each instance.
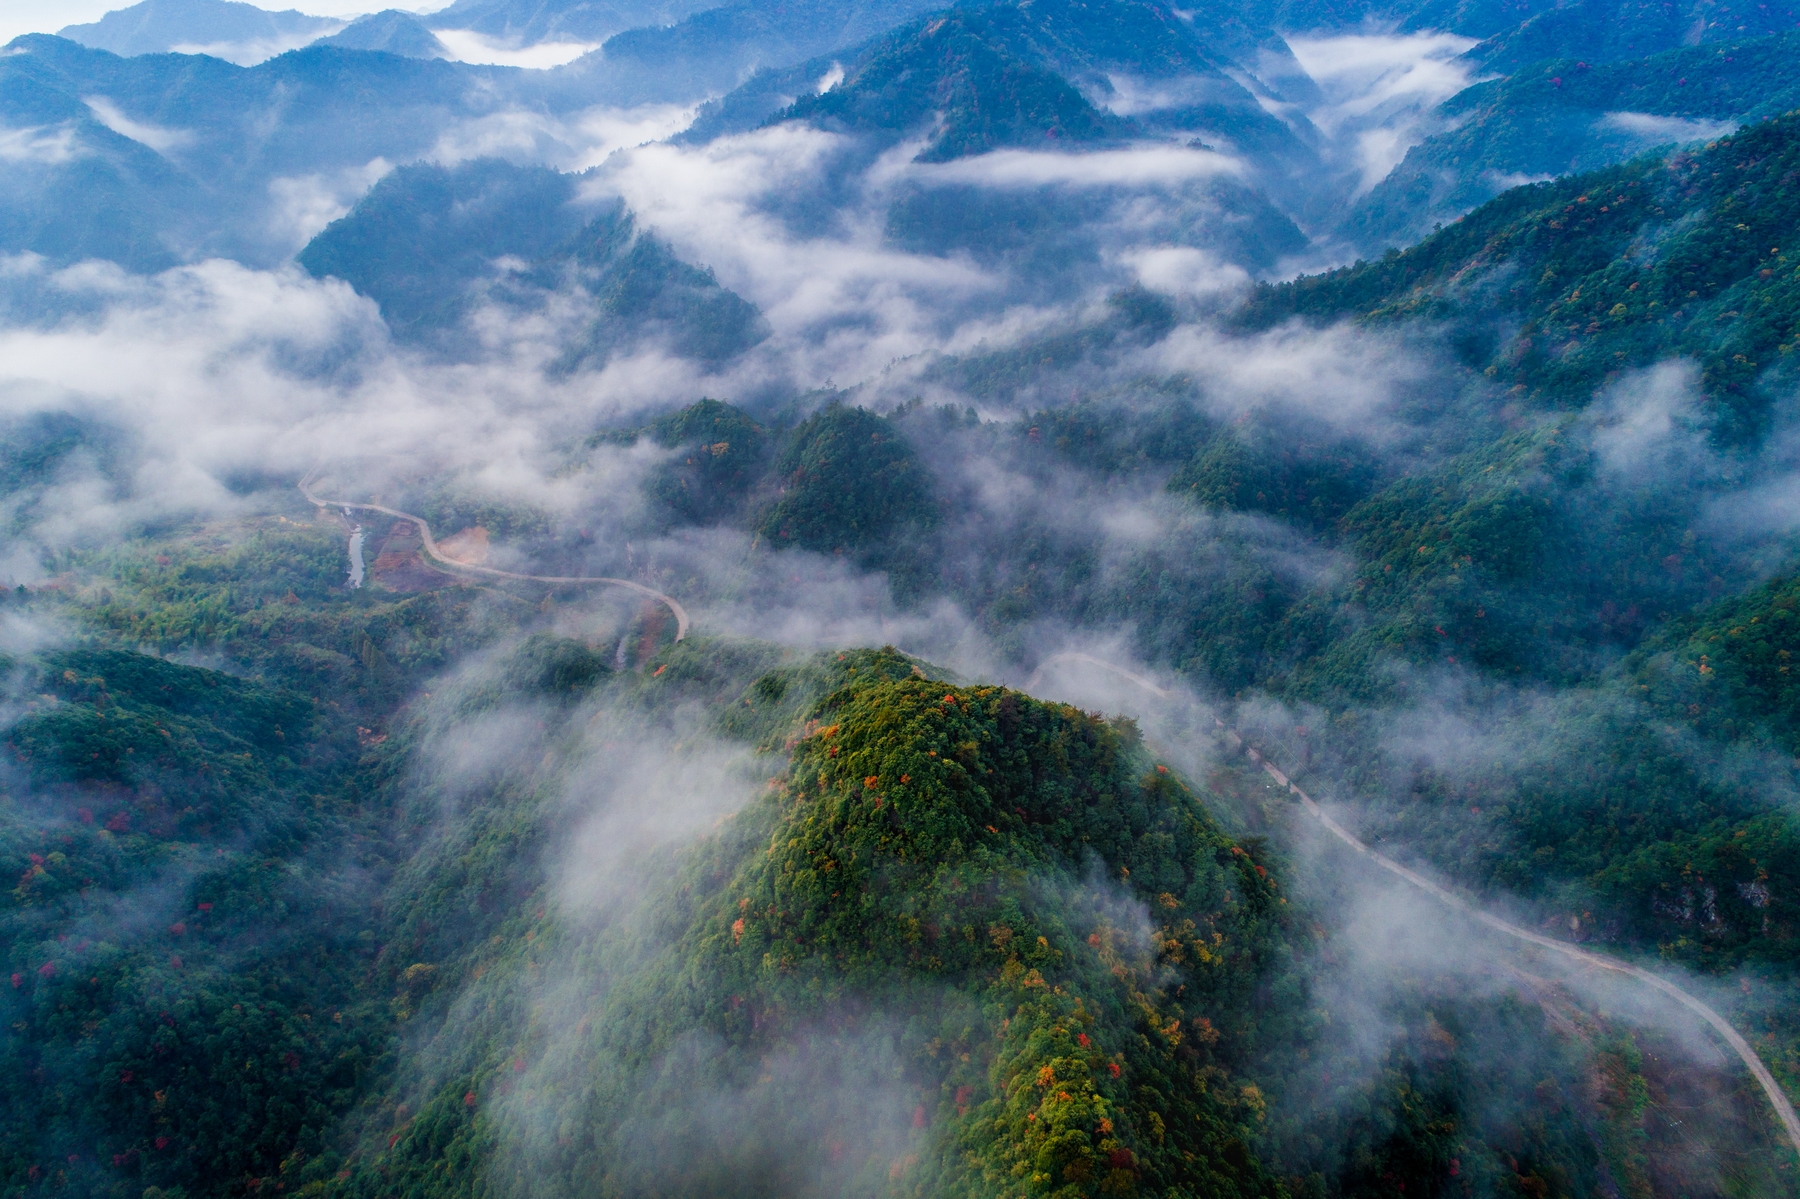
(717, 49)
(1103, 50)
(392, 31)
(158, 26)
(1566, 116)
(527, 21)
(430, 244)
(1610, 30)
(1515, 32)
(164, 158)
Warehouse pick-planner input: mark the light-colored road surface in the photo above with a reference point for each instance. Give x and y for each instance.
(1784, 1109)
(449, 563)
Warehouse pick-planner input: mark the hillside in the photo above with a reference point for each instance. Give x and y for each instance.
(914, 874)
(1567, 117)
(188, 934)
(1609, 31)
(1010, 75)
(1602, 273)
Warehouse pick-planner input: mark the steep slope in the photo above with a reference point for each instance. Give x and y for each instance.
(1574, 281)
(1565, 117)
(955, 73)
(1018, 74)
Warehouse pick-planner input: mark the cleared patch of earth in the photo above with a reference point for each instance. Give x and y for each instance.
(469, 547)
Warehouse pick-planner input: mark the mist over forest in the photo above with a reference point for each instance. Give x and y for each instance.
(621, 598)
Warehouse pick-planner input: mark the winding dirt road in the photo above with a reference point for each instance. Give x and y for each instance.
(438, 556)
(1784, 1109)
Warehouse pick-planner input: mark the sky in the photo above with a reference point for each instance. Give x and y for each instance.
(47, 16)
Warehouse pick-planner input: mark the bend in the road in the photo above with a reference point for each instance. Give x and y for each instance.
(437, 555)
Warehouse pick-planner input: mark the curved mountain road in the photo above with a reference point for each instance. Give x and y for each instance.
(1784, 1109)
(438, 556)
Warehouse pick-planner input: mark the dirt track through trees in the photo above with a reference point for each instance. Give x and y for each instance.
(1784, 1109)
(435, 554)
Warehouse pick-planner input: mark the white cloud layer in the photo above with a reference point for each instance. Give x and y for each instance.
(1136, 167)
(1378, 92)
(1659, 130)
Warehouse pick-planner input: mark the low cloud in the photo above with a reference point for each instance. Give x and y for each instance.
(302, 205)
(1137, 167)
(1378, 92)
(468, 46)
(1657, 129)
(250, 53)
(1132, 95)
(47, 144)
(571, 142)
(155, 136)
(1349, 378)
(1651, 420)
(1185, 271)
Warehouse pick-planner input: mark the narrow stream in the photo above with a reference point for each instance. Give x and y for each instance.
(356, 557)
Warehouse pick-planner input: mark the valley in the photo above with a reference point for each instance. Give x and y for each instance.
(1044, 597)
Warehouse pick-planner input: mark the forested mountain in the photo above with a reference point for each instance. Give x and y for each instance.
(1597, 31)
(993, 1029)
(1663, 258)
(967, 68)
(1566, 116)
(874, 601)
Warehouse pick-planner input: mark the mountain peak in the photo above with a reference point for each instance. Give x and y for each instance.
(161, 26)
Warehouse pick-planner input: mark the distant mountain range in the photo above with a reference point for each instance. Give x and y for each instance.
(151, 160)
(392, 32)
(523, 22)
(159, 26)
